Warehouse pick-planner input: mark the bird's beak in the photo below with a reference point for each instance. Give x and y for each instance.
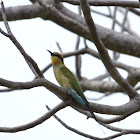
(50, 52)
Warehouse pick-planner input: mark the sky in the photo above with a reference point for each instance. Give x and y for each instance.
(21, 107)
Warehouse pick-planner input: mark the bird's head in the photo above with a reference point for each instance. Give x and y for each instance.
(56, 58)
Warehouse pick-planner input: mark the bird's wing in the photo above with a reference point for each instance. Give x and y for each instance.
(76, 90)
(73, 82)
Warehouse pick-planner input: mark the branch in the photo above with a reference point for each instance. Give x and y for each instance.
(123, 132)
(127, 29)
(78, 60)
(31, 63)
(100, 86)
(115, 119)
(108, 36)
(24, 12)
(135, 11)
(60, 92)
(22, 85)
(101, 77)
(103, 86)
(114, 18)
(104, 53)
(127, 131)
(130, 107)
(133, 4)
(115, 135)
(103, 120)
(64, 17)
(124, 20)
(73, 129)
(32, 124)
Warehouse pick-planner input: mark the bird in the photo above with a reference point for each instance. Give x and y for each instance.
(67, 80)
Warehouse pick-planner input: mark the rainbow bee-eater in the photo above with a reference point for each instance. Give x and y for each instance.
(67, 80)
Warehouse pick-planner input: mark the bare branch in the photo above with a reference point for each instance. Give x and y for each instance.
(4, 33)
(73, 129)
(108, 39)
(135, 11)
(38, 121)
(46, 68)
(101, 13)
(6, 90)
(100, 86)
(116, 119)
(104, 86)
(60, 92)
(32, 64)
(101, 77)
(132, 106)
(133, 4)
(103, 52)
(106, 121)
(124, 20)
(127, 131)
(114, 18)
(78, 60)
(22, 85)
(116, 21)
(122, 131)
(116, 135)
(72, 22)
(59, 47)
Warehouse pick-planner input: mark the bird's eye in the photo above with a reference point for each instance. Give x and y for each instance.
(58, 57)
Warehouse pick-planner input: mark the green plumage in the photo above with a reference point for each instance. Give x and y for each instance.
(67, 79)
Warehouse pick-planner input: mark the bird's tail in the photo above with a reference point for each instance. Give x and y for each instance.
(95, 118)
(83, 102)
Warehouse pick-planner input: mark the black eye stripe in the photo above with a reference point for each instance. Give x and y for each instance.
(58, 57)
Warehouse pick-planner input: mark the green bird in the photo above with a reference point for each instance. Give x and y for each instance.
(67, 80)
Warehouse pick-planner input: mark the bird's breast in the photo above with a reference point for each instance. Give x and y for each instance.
(61, 79)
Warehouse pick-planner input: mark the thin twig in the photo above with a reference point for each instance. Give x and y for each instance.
(101, 77)
(59, 47)
(78, 60)
(124, 20)
(115, 54)
(85, 43)
(114, 18)
(109, 9)
(4, 33)
(78, 57)
(100, 13)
